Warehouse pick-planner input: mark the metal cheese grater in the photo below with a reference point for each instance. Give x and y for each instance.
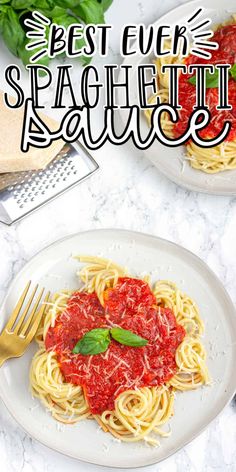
(23, 192)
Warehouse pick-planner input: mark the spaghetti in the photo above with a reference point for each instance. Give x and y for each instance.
(223, 156)
(144, 401)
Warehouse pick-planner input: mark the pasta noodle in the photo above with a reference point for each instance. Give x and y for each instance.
(139, 413)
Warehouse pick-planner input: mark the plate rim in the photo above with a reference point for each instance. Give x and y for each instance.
(176, 180)
(133, 234)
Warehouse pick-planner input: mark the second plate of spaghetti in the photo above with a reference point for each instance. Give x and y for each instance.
(210, 170)
(135, 354)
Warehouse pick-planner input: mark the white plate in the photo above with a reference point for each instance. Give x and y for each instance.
(169, 161)
(54, 268)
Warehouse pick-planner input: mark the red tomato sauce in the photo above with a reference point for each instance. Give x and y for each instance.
(130, 305)
(225, 54)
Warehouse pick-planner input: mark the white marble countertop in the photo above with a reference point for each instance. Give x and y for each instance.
(128, 192)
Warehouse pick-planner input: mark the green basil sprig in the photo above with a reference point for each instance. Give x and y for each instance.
(212, 79)
(62, 12)
(97, 340)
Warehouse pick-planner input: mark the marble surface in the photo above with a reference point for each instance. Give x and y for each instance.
(128, 192)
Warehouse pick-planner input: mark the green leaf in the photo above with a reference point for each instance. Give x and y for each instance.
(68, 4)
(94, 342)
(12, 31)
(25, 55)
(21, 4)
(56, 12)
(97, 340)
(105, 4)
(67, 20)
(3, 10)
(90, 11)
(62, 18)
(211, 79)
(232, 71)
(126, 337)
(44, 4)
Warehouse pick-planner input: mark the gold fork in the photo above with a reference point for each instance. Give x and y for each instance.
(19, 331)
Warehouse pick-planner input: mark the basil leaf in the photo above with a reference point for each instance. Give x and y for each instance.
(105, 4)
(21, 4)
(67, 3)
(12, 31)
(232, 71)
(63, 19)
(67, 20)
(44, 4)
(3, 10)
(56, 12)
(25, 56)
(211, 79)
(126, 337)
(94, 342)
(90, 11)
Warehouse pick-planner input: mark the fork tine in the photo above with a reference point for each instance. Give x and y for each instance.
(30, 318)
(37, 319)
(23, 316)
(17, 308)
